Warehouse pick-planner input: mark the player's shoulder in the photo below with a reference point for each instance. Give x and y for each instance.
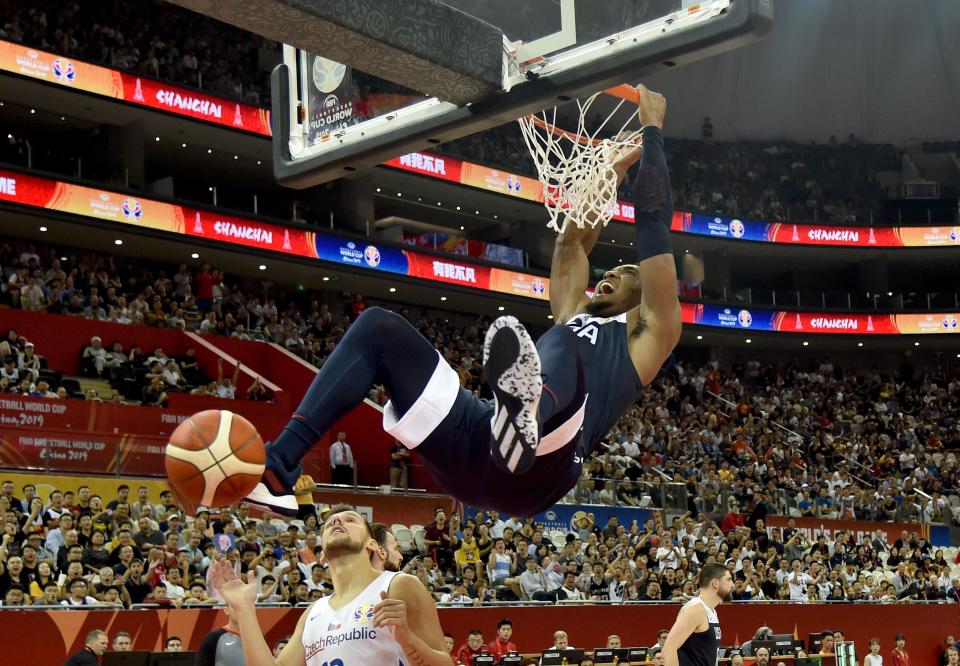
(400, 582)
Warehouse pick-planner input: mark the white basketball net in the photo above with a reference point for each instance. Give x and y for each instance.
(575, 167)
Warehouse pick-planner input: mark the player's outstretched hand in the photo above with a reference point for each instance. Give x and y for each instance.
(392, 613)
(653, 107)
(232, 588)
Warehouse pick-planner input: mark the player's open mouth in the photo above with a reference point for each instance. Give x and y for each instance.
(604, 287)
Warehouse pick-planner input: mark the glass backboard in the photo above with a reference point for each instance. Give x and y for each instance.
(333, 119)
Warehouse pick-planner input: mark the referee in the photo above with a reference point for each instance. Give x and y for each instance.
(695, 637)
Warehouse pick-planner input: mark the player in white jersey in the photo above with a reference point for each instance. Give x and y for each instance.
(373, 617)
(694, 639)
(388, 557)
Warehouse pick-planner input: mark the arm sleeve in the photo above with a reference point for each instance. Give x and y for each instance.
(207, 654)
(653, 198)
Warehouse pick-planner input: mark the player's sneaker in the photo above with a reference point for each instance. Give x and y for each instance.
(273, 495)
(511, 366)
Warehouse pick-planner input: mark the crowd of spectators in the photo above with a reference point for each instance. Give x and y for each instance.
(153, 38)
(810, 437)
(92, 287)
(737, 444)
(121, 290)
(76, 548)
(834, 182)
(804, 438)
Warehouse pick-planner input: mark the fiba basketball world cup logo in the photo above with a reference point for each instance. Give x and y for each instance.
(955, 234)
(327, 74)
(744, 318)
(371, 255)
(363, 613)
(538, 287)
(131, 209)
(513, 184)
(736, 229)
(950, 322)
(64, 70)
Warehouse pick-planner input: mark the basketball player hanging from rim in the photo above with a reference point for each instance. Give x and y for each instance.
(554, 402)
(694, 639)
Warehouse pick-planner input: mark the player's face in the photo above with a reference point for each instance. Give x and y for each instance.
(448, 643)
(617, 292)
(394, 556)
(475, 641)
(725, 589)
(344, 533)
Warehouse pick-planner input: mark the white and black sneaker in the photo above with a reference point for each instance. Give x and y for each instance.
(511, 366)
(272, 496)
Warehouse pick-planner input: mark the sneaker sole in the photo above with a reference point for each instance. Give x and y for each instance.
(261, 498)
(511, 367)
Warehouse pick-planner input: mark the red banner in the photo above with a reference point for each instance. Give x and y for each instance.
(249, 233)
(95, 437)
(925, 625)
(87, 453)
(447, 270)
(70, 73)
(860, 529)
(427, 164)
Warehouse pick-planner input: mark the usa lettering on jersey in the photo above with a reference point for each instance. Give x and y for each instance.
(589, 327)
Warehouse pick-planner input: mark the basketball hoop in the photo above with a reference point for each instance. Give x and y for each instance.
(575, 167)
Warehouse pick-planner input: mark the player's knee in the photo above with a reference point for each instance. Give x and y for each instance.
(374, 316)
(382, 324)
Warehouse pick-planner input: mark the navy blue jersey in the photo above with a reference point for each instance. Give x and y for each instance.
(612, 383)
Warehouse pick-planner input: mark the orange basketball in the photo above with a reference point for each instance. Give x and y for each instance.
(214, 458)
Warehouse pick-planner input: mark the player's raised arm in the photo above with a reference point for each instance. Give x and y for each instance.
(653, 200)
(241, 598)
(570, 268)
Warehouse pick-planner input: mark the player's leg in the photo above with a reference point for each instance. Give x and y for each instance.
(379, 348)
(537, 389)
